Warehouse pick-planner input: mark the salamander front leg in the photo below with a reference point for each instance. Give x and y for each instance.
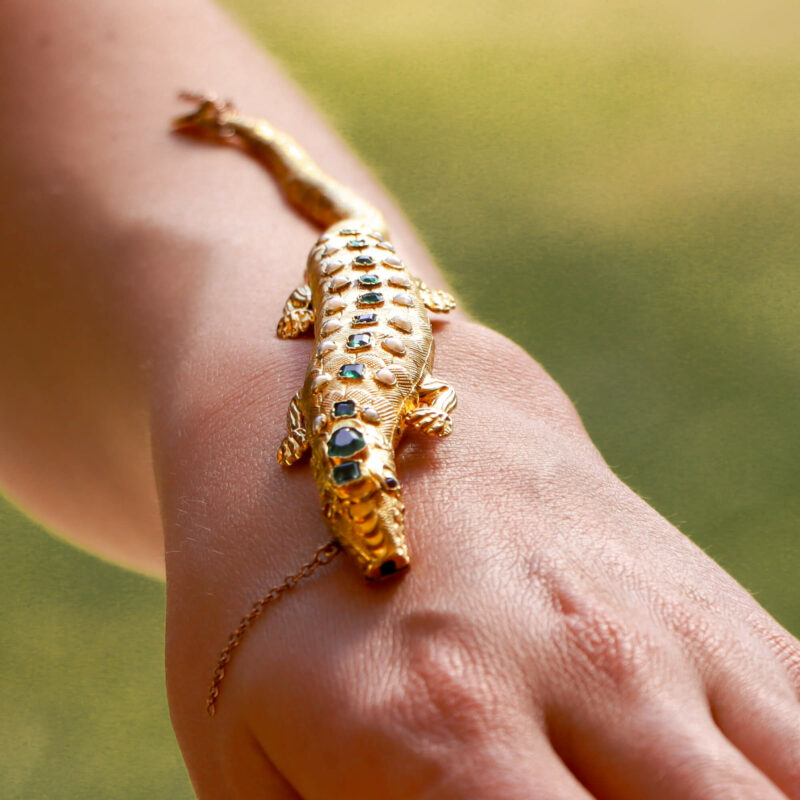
(296, 443)
(297, 314)
(436, 300)
(436, 400)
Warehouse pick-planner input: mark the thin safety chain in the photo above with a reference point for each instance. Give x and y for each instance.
(324, 555)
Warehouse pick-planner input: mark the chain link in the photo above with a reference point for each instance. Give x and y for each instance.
(324, 555)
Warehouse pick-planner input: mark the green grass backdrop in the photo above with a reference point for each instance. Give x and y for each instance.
(613, 184)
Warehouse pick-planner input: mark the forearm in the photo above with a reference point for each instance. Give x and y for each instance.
(129, 254)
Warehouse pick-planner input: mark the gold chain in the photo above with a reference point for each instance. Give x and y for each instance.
(324, 555)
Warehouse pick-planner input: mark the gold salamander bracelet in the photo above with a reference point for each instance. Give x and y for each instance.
(370, 375)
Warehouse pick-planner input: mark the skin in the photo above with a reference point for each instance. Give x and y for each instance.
(556, 638)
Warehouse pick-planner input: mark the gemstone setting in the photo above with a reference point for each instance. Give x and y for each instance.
(346, 472)
(370, 299)
(359, 341)
(370, 279)
(363, 262)
(357, 244)
(345, 442)
(361, 320)
(352, 372)
(344, 408)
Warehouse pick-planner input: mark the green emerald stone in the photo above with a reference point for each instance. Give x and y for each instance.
(363, 261)
(370, 279)
(357, 244)
(345, 442)
(346, 472)
(344, 408)
(353, 372)
(358, 341)
(370, 299)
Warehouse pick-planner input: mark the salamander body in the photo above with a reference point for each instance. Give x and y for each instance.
(370, 373)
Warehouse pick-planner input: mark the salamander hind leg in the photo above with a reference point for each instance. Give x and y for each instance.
(436, 300)
(297, 315)
(295, 444)
(436, 400)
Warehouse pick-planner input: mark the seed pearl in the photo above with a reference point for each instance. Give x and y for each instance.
(331, 326)
(320, 381)
(401, 323)
(371, 415)
(337, 283)
(331, 266)
(400, 280)
(394, 345)
(325, 347)
(386, 376)
(334, 304)
(403, 299)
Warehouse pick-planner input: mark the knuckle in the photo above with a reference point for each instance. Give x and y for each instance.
(699, 765)
(709, 775)
(614, 651)
(448, 690)
(708, 637)
(787, 651)
(594, 638)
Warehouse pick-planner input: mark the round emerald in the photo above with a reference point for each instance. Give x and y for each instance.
(345, 442)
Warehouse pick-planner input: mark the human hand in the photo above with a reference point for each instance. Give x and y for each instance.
(554, 638)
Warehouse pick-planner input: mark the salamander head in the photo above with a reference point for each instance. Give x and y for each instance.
(361, 496)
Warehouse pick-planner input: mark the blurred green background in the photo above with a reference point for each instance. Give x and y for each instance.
(614, 185)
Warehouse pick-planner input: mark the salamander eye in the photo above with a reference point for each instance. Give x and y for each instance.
(390, 481)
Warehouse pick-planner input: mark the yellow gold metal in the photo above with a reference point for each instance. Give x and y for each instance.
(358, 295)
(370, 376)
